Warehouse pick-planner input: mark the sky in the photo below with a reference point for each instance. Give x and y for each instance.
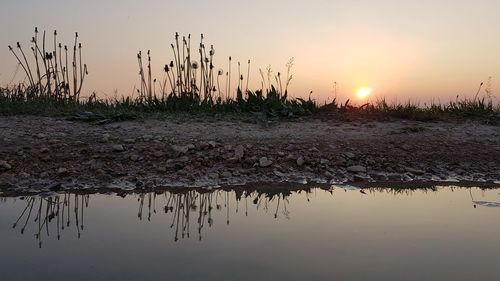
(403, 50)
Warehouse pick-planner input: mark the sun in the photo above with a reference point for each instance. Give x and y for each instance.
(363, 93)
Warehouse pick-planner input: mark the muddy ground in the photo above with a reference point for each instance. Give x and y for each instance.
(39, 154)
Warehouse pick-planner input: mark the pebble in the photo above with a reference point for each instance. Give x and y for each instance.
(24, 175)
(349, 155)
(4, 165)
(213, 175)
(62, 171)
(182, 149)
(324, 161)
(44, 150)
(264, 162)
(356, 169)
(414, 171)
(239, 152)
(118, 148)
(300, 161)
(226, 174)
(105, 137)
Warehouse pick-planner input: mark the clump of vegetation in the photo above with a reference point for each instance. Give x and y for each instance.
(55, 74)
(191, 83)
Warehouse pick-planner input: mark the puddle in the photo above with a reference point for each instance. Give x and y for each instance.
(312, 234)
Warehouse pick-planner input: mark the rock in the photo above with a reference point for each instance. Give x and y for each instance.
(213, 175)
(44, 150)
(134, 157)
(264, 162)
(62, 171)
(356, 169)
(105, 137)
(314, 149)
(349, 155)
(405, 147)
(360, 178)
(324, 161)
(414, 171)
(117, 148)
(24, 175)
(181, 149)
(20, 152)
(300, 161)
(239, 152)
(279, 174)
(130, 141)
(158, 154)
(226, 174)
(41, 135)
(329, 175)
(281, 154)
(212, 144)
(4, 165)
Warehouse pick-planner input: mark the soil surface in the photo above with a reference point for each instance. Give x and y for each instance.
(43, 154)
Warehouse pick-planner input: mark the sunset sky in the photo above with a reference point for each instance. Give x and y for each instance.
(420, 50)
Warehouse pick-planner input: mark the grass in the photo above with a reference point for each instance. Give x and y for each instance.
(191, 84)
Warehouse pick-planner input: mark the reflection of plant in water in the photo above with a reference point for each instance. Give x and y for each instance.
(48, 211)
(182, 206)
(185, 208)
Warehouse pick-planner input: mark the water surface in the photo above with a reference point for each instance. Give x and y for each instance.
(434, 234)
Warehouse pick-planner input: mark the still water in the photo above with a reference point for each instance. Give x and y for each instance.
(312, 234)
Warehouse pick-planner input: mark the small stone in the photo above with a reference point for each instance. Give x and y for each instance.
(264, 162)
(44, 150)
(180, 149)
(213, 175)
(314, 149)
(158, 154)
(281, 154)
(329, 175)
(4, 165)
(300, 161)
(212, 144)
(356, 169)
(105, 137)
(129, 140)
(324, 161)
(349, 155)
(239, 151)
(24, 175)
(226, 174)
(62, 171)
(406, 147)
(279, 174)
(414, 171)
(41, 135)
(118, 148)
(20, 152)
(134, 157)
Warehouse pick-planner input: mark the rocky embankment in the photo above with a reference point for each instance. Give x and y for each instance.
(40, 154)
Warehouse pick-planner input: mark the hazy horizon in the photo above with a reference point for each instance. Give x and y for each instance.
(401, 49)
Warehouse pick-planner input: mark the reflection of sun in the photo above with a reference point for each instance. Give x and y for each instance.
(363, 93)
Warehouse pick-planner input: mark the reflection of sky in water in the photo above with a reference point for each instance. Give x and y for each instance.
(380, 235)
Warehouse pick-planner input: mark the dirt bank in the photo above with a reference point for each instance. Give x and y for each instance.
(42, 153)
